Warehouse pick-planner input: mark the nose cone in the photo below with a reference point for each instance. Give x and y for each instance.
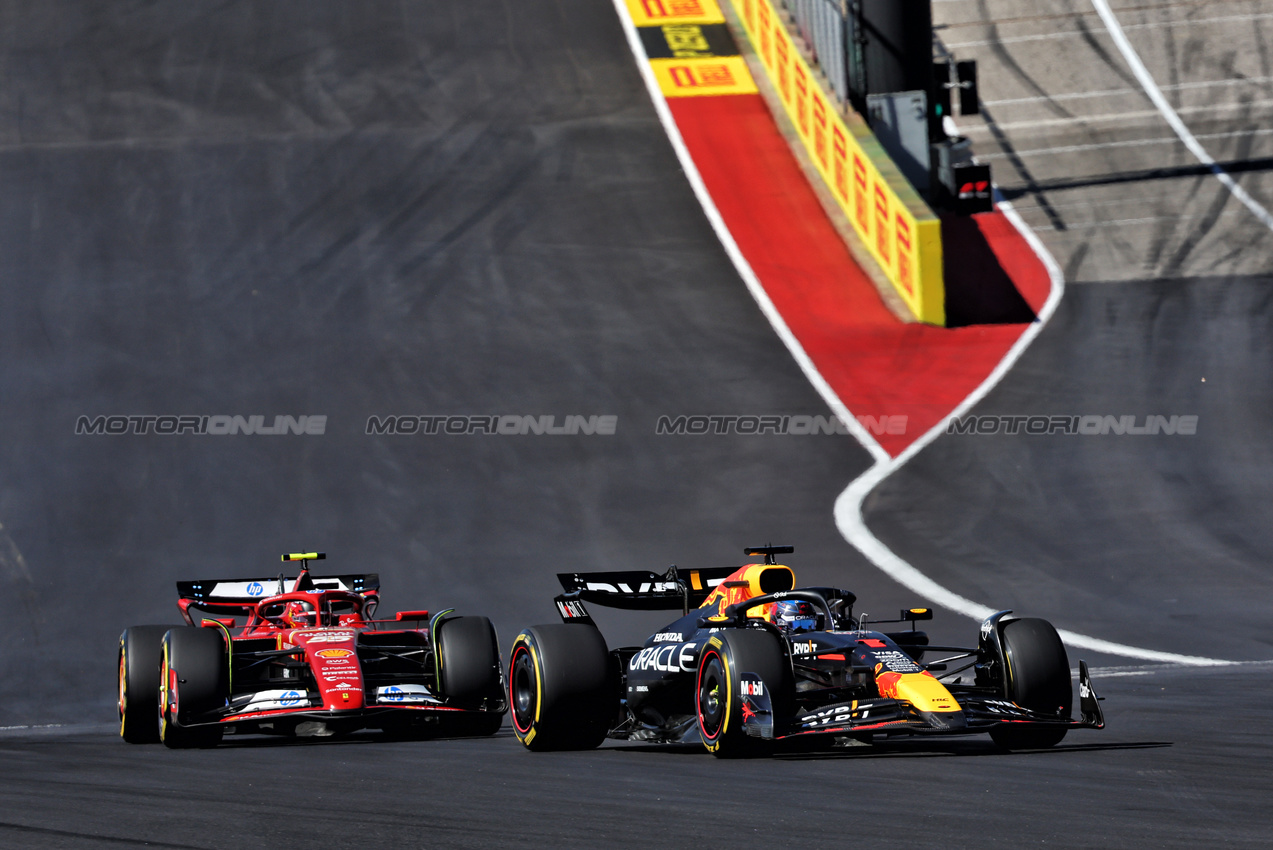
(334, 659)
(921, 690)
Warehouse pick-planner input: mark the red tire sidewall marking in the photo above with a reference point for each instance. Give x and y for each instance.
(512, 683)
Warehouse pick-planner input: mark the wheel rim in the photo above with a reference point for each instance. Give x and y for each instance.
(523, 687)
(712, 699)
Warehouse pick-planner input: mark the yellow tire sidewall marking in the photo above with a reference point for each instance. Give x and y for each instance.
(539, 681)
(729, 696)
(164, 676)
(539, 693)
(123, 686)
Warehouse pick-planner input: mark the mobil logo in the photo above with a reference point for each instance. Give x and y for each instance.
(255, 588)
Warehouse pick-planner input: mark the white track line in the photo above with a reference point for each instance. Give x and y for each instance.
(1072, 229)
(1131, 143)
(1054, 36)
(1195, 147)
(1114, 117)
(848, 507)
(731, 247)
(1086, 95)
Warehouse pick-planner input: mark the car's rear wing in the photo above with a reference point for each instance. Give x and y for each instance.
(240, 593)
(638, 590)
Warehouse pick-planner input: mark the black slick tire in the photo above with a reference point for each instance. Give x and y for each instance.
(468, 661)
(140, 649)
(194, 679)
(469, 674)
(561, 691)
(718, 697)
(1037, 677)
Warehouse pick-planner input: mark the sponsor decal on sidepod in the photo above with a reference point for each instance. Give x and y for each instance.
(666, 658)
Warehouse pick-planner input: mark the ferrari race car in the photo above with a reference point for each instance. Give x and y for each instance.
(757, 661)
(309, 661)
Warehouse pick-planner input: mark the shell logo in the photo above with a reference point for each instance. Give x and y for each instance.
(334, 653)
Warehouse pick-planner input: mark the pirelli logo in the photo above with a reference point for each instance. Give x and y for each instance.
(766, 51)
(784, 69)
(882, 231)
(672, 8)
(840, 167)
(708, 76)
(704, 76)
(802, 98)
(820, 132)
(905, 276)
(859, 195)
(655, 12)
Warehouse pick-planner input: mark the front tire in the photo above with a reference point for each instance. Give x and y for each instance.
(1036, 674)
(469, 662)
(718, 694)
(194, 679)
(560, 687)
(140, 651)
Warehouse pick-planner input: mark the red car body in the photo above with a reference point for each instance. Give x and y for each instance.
(309, 660)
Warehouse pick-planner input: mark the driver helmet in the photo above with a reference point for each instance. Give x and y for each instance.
(298, 615)
(795, 615)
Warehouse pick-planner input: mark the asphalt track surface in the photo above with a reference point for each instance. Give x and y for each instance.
(307, 208)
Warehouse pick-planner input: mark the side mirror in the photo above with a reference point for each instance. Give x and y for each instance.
(913, 614)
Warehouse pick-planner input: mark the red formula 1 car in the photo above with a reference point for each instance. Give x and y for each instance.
(309, 661)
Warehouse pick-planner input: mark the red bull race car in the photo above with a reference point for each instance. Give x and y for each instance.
(753, 660)
(310, 660)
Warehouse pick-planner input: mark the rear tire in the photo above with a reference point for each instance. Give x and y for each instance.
(1037, 677)
(718, 696)
(560, 688)
(194, 678)
(469, 662)
(140, 651)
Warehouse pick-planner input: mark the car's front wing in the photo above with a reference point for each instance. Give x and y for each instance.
(977, 712)
(268, 705)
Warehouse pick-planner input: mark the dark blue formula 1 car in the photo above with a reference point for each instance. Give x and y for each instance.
(753, 660)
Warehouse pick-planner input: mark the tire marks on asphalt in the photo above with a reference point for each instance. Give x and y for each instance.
(1155, 94)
